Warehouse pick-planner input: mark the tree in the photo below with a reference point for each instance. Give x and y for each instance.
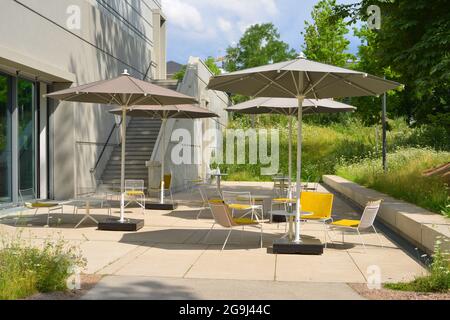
(211, 64)
(414, 42)
(325, 37)
(260, 45)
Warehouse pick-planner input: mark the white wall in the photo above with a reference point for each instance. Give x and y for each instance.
(114, 35)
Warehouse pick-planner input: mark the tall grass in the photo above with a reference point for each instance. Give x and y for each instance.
(26, 269)
(404, 180)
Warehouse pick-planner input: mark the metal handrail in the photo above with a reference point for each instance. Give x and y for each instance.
(106, 144)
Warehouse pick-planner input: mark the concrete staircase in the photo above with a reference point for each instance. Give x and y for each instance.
(141, 138)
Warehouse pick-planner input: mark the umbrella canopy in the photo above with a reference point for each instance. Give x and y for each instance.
(164, 113)
(289, 106)
(301, 79)
(186, 111)
(123, 91)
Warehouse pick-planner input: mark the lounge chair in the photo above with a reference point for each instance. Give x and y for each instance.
(222, 216)
(29, 200)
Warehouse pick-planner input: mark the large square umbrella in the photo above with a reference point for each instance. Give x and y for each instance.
(123, 91)
(165, 113)
(301, 79)
(289, 107)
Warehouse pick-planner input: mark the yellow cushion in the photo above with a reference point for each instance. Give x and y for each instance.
(243, 221)
(238, 206)
(346, 223)
(40, 205)
(284, 200)
(135, 193)
(215, 201)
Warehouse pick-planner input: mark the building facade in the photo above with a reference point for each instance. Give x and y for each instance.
(50, 146)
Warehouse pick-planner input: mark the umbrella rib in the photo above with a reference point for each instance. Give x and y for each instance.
(355, 85)
(101, 97)
(274, 83)
(295, 83)
(312, 87)
(309, 80)
(230, 82)
(137, 86)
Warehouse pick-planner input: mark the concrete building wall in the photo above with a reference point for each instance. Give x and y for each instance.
(194, 84)
(36, 39)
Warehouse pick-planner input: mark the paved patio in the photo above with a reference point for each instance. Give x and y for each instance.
(168, 258)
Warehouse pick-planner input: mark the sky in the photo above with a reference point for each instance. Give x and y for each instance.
(206, 28)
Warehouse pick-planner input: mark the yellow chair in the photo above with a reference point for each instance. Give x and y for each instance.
(243, 202)
(29, 200)
(135, 192)
(167, 186)
(320, 205)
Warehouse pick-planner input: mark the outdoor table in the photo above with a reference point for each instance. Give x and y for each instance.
(290, 216)
(218, 179)
(265, 199)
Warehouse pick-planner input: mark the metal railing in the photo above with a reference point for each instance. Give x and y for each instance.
(105, 145)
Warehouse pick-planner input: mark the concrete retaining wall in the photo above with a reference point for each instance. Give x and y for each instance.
(417, 225)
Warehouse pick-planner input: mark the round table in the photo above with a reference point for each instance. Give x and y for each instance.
(290, 216)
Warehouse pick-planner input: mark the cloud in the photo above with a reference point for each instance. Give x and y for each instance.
(183, 15)
(224, 25)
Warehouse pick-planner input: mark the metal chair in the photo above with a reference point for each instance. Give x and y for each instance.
(206, 201)
(366, 223)
(29, 200)
(135, 193)
(242, 201)
(222, 216)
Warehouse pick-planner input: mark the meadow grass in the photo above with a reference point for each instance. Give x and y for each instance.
(404, 180)
(26, 269)
(353, 150)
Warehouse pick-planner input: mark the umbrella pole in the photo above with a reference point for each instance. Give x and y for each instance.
(299, 168)
(290, 158)
(122, 169)
(163, 155)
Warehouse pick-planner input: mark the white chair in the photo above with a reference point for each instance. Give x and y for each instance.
(206, 201)
(135, 193)
(366, 223)
(242, 202)
(222, 217)
(29, 200)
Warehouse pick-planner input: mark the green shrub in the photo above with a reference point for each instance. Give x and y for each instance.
(437, 281)
(27, 269)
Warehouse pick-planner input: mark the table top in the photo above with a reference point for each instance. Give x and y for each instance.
(255, 197)
(219, 174)
(289, 214)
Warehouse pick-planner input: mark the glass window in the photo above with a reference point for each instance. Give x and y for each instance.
(26, 127)
(5, 139)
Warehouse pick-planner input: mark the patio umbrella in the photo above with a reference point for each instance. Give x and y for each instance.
(165, 113)
(301, 79)
(289, 107)
(123, 91)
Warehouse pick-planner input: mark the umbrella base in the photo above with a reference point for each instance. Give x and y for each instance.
(160, 206)
(308, 246)
(116, 225)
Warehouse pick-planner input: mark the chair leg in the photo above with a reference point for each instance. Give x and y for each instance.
(361, 239)
(261, 236)
(226, 240)
(325, 231)
(199, 213)
(378, 236)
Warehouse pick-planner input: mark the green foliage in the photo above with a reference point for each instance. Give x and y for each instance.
(437, 281)
(260, 45)
(404, 180)
(211, 64)
(413, 43)
(180, 74)
(26, 269)
(325, 38)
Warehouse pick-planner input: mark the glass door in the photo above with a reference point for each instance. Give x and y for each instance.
(26, 134)
(5, 140)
